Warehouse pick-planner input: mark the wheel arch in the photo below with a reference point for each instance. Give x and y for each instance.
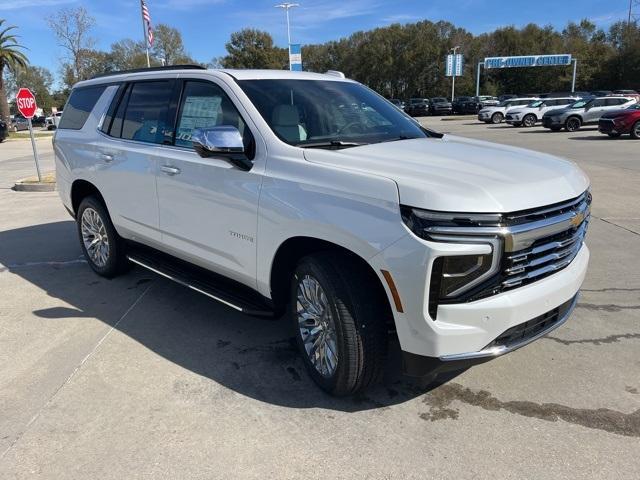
(80, 189)
(293, 249)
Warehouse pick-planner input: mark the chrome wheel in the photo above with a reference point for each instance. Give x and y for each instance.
(94, 237)
(317, 326)
(529, 121)
(635, 133)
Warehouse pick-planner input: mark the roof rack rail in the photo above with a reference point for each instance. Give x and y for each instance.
(152, 69)
(335, 73)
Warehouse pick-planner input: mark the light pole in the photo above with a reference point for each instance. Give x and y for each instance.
(287, 6)
(453, 72)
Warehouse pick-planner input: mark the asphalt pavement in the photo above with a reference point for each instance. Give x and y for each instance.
(138, 377)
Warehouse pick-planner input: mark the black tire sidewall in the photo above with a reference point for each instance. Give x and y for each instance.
(634, 128)
(570, 120)
(528, 117)
(116, 260)
(314, 268)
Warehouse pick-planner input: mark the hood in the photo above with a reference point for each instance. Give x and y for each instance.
(618, 113)
(463, 175)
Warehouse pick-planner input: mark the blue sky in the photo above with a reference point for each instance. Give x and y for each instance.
(207, 24)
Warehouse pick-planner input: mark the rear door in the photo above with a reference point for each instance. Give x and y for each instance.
(595, 111)
(208, 207)
(614, 103)
(129, 150)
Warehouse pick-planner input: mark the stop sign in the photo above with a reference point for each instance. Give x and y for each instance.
(26, 103)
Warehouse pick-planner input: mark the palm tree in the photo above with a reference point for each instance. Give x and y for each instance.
(10, 57)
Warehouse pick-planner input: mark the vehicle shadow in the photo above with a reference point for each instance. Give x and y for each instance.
(251, 356)
(602, 137)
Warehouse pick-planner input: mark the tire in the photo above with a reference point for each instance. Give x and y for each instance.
(614, 135)
(555, 128)
(572, 124)
(497, 118)
(635, 130)
(355, 325)
(529, 120)
(108, 257)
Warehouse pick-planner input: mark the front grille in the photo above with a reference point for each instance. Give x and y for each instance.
(546, 256)
(529, 329)
(605, 125)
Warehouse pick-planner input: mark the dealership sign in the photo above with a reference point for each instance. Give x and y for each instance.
(528, 61)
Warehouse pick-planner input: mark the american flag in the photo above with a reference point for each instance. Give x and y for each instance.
(147, 20)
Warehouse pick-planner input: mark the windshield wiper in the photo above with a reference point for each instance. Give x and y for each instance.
(331, 144)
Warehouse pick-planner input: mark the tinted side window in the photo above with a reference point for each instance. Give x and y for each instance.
(205, 104)
(597, 103)
(111, 111)
(145, 116)
(615, 101)
(79, 106)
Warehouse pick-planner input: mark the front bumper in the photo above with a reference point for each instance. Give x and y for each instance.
(420, 366)
(464, 329)
(549, 122)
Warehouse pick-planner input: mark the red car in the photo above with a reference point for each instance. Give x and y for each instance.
(618, 122)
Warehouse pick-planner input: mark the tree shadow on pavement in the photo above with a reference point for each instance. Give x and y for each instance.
(251, 356)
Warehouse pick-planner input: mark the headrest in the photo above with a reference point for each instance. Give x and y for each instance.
(285, 115)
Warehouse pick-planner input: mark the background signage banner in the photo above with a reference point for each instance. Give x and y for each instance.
(295, 57)
(454, 65)
(528, 61)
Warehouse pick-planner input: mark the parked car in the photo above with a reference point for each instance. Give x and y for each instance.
(440, 106)
(398, 103)
(38, 121)
(4, 131)
(52, 121)
(620, 122)
(509, 96)
(582, 112)
(601, 93)
(458, 102)
(418, 107)
(19, 123)
(496, 114)
(250, 187)
(565, 95)
(627, 93)
(475, 104)
(532, 113)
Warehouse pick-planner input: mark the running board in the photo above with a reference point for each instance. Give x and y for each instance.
(228, 292)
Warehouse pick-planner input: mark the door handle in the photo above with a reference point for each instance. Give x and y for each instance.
(107, 157)
(170, 170)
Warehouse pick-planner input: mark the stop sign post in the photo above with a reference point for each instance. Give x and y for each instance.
(27, 106)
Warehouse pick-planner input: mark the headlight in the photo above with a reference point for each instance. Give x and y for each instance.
(452, 276)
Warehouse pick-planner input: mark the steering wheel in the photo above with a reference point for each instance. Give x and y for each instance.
(350, 125)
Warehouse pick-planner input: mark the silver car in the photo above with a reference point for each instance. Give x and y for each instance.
(583, 112)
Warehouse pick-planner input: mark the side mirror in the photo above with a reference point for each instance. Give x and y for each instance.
(223, 142)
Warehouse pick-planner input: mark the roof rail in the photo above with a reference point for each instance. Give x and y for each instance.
(335, 73)
(152, 69)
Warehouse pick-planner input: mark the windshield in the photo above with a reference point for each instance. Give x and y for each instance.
(635, 106)
(578, 104)
(439, 100)
(317, 113)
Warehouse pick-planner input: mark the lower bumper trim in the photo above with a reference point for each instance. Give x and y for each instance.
(419, 366)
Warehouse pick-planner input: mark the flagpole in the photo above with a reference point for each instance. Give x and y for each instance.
(144, 34)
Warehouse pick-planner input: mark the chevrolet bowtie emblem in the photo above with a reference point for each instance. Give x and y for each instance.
(577, 219)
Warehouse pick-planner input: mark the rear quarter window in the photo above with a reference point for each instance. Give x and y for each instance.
(79, 106)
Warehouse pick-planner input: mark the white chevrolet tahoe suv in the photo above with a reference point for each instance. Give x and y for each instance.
(309, 194)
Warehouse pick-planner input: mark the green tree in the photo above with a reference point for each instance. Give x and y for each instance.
(127, 54)
(12, 59)
(37, 79)
(168, 46)
(250, 48)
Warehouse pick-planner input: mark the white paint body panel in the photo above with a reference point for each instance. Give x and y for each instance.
(349, 197)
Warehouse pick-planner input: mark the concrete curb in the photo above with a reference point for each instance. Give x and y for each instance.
(34, 187)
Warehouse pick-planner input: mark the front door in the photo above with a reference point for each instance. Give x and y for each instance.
(208, 207)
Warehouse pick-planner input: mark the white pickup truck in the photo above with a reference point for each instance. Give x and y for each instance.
(310, 196)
